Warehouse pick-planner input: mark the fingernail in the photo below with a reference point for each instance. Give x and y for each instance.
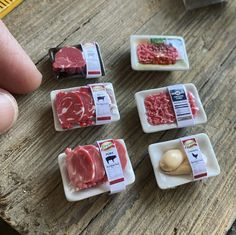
(8, 111)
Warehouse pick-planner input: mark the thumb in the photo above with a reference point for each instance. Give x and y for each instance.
(8, 111)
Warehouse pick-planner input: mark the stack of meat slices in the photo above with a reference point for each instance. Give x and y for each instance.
(161, 53)
(75, 108)
(85, 166)
(69, 60)
(159, 108)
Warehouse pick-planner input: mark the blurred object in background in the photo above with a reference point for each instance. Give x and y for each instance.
(7, 6)
(6, 229)
(192, 4)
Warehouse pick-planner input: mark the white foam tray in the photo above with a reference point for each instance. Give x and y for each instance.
(115, 115)
(136, 39)
(148, 128)
(72, 195)
(165, 181)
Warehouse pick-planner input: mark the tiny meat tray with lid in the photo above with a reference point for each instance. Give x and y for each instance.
(158, 52)
(170, 107)
(83, 61)
(94, 104)
(90, 170)
(180, 161)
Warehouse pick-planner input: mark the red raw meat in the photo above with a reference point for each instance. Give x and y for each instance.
(69, 108)
(69, 60)
(89, 107)
(159, 109)
(161, 53)
(85, 166)
(75, 108)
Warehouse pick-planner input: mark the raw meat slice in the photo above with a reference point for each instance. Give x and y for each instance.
(97, 160)
(80, 167)
(89, 115)
(85, 166)
(159, 109)
(69, 60)
(160, 53)
(193, 104)
(70, 108)
(122, 153)
(76, 108)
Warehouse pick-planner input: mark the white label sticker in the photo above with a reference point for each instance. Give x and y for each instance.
(195, 157)
(102, 103)
(93, 65)
(181, 105)
(112, 165)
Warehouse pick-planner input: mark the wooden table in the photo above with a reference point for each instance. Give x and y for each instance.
(31, 193)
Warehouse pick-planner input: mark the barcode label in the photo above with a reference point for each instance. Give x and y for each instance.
(102, 103)
(93, 65)
(112, 165)
(181, 105)
(195, 157)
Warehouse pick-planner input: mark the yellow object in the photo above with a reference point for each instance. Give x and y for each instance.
(175, 162)
(8, 5)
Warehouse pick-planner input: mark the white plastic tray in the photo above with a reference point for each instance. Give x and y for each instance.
(114, 108)
(165, 181)
(148, 128)
(182, 64)
(72, 195)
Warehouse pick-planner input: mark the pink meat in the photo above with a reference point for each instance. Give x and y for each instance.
(97, 160)
(122, 153)
(159, 109)
(69, 60)
(161, 53)
(80, 167)
(85, 166)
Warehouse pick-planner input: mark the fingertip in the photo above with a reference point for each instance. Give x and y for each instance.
(18, 72)
(8, 111)
(28, 85)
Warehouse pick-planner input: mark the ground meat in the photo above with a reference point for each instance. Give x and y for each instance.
(160, 53)
(159, 109)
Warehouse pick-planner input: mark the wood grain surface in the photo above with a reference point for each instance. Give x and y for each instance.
(31, 193)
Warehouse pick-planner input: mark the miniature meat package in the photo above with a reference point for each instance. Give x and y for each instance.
(171, 171)
(90, 105)
(154, 52)
(170, 107)
(192, 4)
(83, 61)
(90, 170)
